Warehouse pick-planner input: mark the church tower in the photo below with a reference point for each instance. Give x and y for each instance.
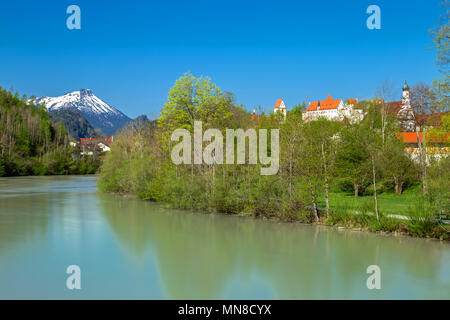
(406, 114)
(406, 100)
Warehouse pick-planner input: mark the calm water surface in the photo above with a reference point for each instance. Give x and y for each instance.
(132, 249)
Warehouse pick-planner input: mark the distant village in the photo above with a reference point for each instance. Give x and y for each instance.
(93, 146)
(412, 124)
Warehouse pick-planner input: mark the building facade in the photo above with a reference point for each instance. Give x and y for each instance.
(280, 107)
(406, 113)
(333, 109)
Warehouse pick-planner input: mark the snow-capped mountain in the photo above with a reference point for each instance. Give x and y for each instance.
(99, 114)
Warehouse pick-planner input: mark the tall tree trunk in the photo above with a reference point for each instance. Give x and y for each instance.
(423, 163)
(398, 186)
(327, 202)
(313, 198)
(290, 172)
(375, 188)
(213, 181)
(356, 187)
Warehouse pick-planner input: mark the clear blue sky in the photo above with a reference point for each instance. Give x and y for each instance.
(131, 52)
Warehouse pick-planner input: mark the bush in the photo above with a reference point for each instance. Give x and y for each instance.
(368, 191)
(384, 224)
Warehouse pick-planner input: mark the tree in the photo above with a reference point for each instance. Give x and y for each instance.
(325, 135)
(291, 136)
(423, 101)
(29, 142)
(310, 165)
(352, 157)
(373, 143)
(385, 92)
(442, 39)
(192, 99)
(397, 164)
(298, 109)
(441, 34)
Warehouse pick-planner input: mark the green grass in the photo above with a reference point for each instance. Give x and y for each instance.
(388, 202)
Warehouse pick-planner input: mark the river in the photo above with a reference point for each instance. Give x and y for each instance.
(132, 249)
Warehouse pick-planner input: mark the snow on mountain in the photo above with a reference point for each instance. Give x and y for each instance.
(99, 114)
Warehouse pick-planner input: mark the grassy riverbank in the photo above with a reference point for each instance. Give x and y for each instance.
(413, 222)
(389, 202)
(264, 198)
(418, 224)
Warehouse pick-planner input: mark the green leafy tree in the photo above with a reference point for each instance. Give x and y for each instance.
(325, 134)
(441, 34)
(193, 99)
(397, 164)
(352, 158)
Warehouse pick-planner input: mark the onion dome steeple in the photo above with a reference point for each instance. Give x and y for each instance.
(405, 86)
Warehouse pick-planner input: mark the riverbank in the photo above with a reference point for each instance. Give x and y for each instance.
(415, 226)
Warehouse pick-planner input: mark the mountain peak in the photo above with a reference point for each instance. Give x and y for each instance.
(100, 114)
(86, 92)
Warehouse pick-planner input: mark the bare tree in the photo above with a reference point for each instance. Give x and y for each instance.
(423, 101)
(385, 92)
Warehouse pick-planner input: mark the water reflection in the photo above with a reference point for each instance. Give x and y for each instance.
(129, 248)
(215, 256)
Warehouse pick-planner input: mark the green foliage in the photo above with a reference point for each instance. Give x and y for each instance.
(352, 159)
(193, 99)
(30, 144)
(298, 109)
(317, 160)
(441, 34)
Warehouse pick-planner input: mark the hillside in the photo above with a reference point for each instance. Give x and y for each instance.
(137, 123)
(75, 123)
(30, 144)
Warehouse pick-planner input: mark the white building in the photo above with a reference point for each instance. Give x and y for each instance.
(406, 114)
(280, 107)
(333, 109)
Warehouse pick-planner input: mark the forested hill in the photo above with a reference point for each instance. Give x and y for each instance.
(75, 123)
(138, 123)
(30, 144)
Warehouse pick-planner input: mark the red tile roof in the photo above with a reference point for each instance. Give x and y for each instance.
(328, 103)
(106, 141)
(278, 103)
(411, 137)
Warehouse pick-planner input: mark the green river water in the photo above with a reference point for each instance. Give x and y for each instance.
(132, 249)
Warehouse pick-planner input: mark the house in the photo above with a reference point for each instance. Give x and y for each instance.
(435, 145)
(333, 109)
(94, 146)
(254, 116)
(280, 107)
(408, 118)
